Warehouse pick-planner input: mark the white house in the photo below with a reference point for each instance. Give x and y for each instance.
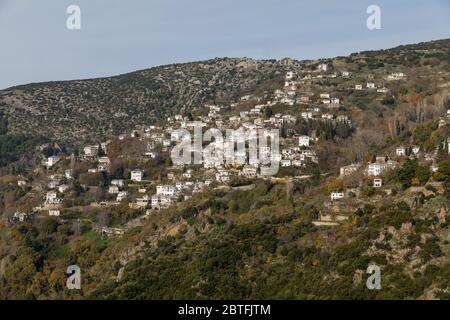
(303, 99)
(104, 146)
(52, 198)
(54, 212)
(358, 87)
(91, 150)
(166, 190)
(62, 188)
(374, 169)
(160, 201)
(137, 175)
(323, 67)
(303, 141)
(143, 202)
(117, 182)
(377, 168)
(52, 184)
(21, 216)
(345, 74)
(142, 190)
(343, 118)
(370, 85)
(243, 114)
(396, 76)
(68, 174)
(286, 152)
(155, 202)
(103, 164)
(289, 84)
(150, 154)
(171, 176)
(21, 183)
(306, 115)
(400, 151)
(377, 182)
(335, 100)
(291, 93)
(336, 195)
(51, 161)
(113, 189)
(289, 75)
(187, 174)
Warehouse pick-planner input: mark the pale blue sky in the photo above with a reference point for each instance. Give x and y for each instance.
(119, 36)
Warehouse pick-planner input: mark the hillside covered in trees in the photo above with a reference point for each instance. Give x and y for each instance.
(82, 163)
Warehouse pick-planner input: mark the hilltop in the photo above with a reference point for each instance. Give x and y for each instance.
(82, 110)
(87, 178)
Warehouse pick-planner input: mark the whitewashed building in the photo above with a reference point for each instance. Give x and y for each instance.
(377, 182)
(51, 161)
(113, 189)
(52, 198)
(54, 212)
(400, 151)
(377, 168)
(68, 174)
(166, 189)
(303, 141)
(289, 75)
(396, 76)
(336, 196)
(91, 150)
(137, 175)
(323, 67)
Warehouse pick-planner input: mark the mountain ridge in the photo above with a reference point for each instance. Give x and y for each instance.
(74, 110)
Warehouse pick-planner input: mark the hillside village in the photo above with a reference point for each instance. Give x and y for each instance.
(178, 183)
(352, 139)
